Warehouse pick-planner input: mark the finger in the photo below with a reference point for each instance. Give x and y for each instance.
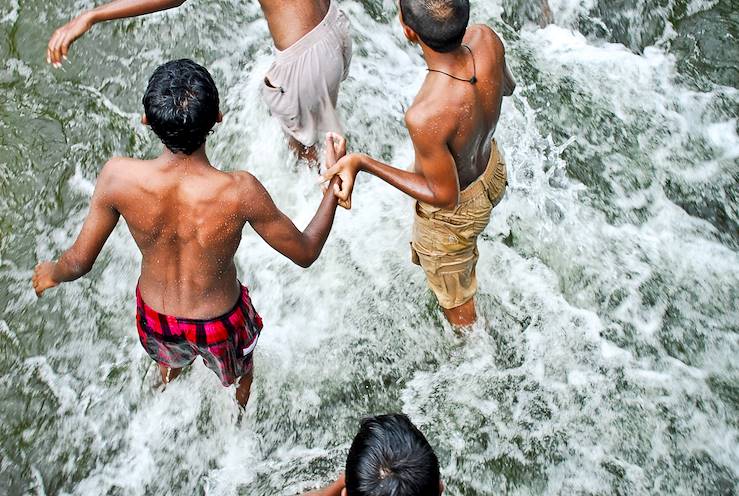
(56, 52)
(50, 47)
(330, 150)
(341, 192)
(331, 172)
(65, 47)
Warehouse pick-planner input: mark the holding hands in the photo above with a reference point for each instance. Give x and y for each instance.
(346, 169)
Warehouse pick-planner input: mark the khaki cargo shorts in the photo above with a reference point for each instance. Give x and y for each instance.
(444, 242)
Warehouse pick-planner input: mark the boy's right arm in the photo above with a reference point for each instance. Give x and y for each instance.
(66, 35)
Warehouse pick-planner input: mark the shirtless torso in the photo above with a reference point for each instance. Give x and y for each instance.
(451, 124)
(187, 218)
(468, 112)
(289, 21)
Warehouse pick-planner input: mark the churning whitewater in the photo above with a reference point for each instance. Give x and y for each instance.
(604, 361)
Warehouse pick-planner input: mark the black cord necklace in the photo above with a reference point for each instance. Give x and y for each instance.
(471, 80)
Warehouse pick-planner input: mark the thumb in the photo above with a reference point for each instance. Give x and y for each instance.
(331, 172)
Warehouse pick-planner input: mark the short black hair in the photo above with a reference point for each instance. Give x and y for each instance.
(440, 24)
(391, 457)
(181, 105)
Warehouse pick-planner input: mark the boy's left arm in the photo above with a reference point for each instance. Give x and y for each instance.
(434, 180)
(78, 260)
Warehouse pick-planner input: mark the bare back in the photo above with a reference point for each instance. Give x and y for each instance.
(290, 20)
(474, 109)
(187, 219)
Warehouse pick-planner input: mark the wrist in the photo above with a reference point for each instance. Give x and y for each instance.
(90, 18)
(358, 161)
(54, 275)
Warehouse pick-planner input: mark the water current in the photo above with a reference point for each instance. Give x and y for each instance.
(605, 361)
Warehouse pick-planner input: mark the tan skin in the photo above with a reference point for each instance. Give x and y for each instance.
(288, 21)
(451, 124)
(187, 219)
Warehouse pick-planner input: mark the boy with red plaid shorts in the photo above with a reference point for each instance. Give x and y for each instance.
(187, 218)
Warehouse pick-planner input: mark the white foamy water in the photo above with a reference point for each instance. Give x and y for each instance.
(605, 358)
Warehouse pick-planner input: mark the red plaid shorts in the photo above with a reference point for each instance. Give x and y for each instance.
(226, 343)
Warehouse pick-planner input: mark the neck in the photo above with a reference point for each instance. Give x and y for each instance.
(197, 158)
(450, 60)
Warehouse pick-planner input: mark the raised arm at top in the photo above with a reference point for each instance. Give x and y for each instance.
(63, 37)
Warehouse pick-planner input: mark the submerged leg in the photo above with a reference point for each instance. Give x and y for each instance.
(546, 16)
(309, 154)
(168, 374)
(463, 315)
(243, 390)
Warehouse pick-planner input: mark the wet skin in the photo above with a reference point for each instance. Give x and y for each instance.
(451, 124)
(187, 218)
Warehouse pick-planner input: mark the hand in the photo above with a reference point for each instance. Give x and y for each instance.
(63, 37)
(339, 145)
(335, 149)
(43, 277)
(347, 169)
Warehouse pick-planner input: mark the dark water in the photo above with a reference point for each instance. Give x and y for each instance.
(605, 362)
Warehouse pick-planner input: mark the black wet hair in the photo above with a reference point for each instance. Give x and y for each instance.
(440, 24)
(391, 457)
(181, 105)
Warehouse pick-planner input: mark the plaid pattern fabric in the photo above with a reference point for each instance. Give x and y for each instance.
(226, 343)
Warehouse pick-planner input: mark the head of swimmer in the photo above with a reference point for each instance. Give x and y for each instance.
(438, 24)
(390, 456)
(181, 105)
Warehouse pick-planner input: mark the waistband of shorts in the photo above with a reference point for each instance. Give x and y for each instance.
(153, 314)
(319, 32)
(480, 184)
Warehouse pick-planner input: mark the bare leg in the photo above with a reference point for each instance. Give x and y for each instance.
(168, 374)
(308, 154)
(546, 14)
(463, 315)
(244, 388)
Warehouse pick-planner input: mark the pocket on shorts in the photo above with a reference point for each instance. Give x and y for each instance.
(280, 105)
(499, 183)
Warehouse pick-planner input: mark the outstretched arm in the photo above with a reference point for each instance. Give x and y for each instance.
(278, 230)
(78, 260)
(434, 180)
(66, 35)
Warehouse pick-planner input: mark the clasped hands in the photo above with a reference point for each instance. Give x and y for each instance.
(342, 166)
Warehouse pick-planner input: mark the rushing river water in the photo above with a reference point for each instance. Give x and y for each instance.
(606, 357)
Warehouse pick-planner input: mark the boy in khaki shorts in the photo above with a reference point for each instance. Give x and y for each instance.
(459, 173)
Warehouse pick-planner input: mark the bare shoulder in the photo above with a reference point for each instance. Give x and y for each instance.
(486, 35)
(429, 116)
(245, 182)
(118, 171)
(251, 194)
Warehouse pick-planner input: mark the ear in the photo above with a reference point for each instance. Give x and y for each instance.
(410, 34)
(219, 118)
(144, 120)
(343, 492)
(441, 488)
